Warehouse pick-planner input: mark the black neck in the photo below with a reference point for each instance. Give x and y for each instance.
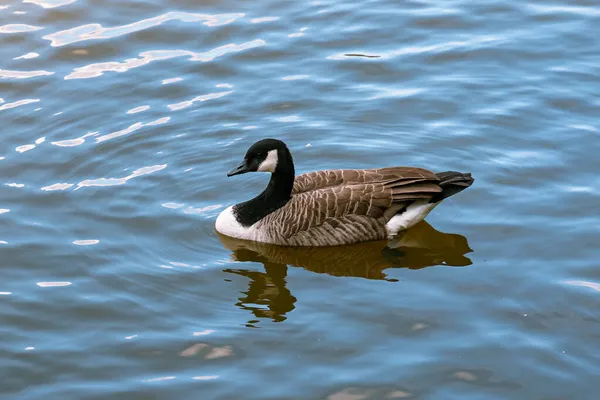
(275, 196)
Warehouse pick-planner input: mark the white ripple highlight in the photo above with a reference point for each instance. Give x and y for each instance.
(50, 3)
(202, 210)
(11, 74)
(576, 10)
(294, 77)
(263, 19)
(192, 210)
(19, 103)
(173, 206)
(592, 285)
(120, 181)
(132, 128)
(387, 93)
(4, 210)
(205, 377)
(57, 186)
(171, 80)
(433, 48)
(98, 69)
(27, 56)
(289, 118)
(202, 98)
(138, 109)
(53, 284)
(583, 127)
(97, 31)
(88, 242)
(19, 28)
(25, 147)
(204, 332)
(74, 142)
(162, 378)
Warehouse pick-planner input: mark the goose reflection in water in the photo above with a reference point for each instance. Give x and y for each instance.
(268, 296)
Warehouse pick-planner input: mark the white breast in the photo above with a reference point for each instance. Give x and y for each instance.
(228, 225)
(270, 162)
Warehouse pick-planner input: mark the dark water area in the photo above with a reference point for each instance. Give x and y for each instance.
(120, 120)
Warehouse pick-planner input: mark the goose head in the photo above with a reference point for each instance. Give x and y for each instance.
(263, 156)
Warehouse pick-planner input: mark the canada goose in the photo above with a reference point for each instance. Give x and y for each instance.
(332, 207)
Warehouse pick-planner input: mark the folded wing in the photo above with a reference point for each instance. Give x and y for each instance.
(349, 202)
(393, 176)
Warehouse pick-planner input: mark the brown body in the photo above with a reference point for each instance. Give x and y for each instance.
(335, 207)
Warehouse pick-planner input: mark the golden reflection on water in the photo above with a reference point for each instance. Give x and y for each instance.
(268, 296)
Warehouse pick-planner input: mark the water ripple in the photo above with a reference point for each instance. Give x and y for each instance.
(294, 77)
(50, 3)
(8, 74)
(591, 285)
(432, 48)
(171, 80)
(86, 242)
(53, 284)
(132, 128)
(121, 181)
(73, 142)
(57, 186)
(23, 102)
(205, 377)
(138, 109)
(27, 56)
(162, 378)
(204, 97)
(98, 69)
(263, 19)
(19, 28)
(24, 148)
(97, 31)
(576, 10)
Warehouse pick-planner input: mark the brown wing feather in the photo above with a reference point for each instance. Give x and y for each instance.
(397, 176)
(342, 206)
(340, 231)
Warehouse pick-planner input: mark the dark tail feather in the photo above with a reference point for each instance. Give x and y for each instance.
(451, 183)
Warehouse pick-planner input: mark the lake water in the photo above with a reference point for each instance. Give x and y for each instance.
(121, 118)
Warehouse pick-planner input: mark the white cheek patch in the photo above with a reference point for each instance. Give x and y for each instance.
(270, 163)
